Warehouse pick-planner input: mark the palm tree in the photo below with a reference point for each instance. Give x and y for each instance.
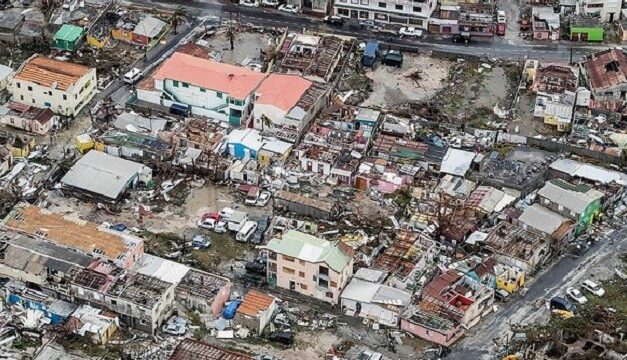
(178, 17)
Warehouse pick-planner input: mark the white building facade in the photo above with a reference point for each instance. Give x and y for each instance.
(398, 12)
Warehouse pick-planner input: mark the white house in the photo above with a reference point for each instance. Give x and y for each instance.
(28, 118)
(401, 12)
(207, 87)
(279, 103)
(606, 10)
(63, 87)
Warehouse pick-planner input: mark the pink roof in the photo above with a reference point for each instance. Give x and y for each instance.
(282, 91)
(233, 80)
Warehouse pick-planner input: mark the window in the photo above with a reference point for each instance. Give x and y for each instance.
(185, 85)
(303, 286)
(343, 12)
(50, 93)
(322, 270)
(595, 6)
(114, 302)
(22, 97)
(333, 284)
(364, 15)
(203, 90)
(365, 2)
(272, 255)
(30, 88)
(64, 97)
(33, 100)
(382, 5)
(175, 83)
(288, 258)
(417, 9)
(219, 94)
(302, 262)
(398, 7)
(329, 294)
(323, 283)
(19, 86)
(288, 270)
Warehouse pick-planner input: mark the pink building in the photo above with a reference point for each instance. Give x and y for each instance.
(450, 303)
(309, 265)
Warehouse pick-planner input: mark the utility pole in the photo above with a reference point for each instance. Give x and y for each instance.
(571, 54)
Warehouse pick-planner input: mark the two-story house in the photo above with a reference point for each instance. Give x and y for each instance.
(308, 265)
(605, 73)
(578, 202)
(63, 87)
(205, 87)
(404, 12)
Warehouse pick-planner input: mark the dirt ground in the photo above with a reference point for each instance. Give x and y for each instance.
(246, 45)
(420, 78)
(523, 120)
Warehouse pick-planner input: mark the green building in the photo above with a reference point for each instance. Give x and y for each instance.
(67, 37)
(578, 202)
(586, 29)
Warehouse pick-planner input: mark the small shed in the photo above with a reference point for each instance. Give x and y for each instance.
(68, 37)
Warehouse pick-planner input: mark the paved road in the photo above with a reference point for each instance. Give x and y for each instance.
(567, 271)
(496, 47)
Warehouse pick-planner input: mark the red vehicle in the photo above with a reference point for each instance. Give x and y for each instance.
(525, 25)
(500, 29)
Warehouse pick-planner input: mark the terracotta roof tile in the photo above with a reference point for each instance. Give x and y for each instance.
(46, 72)
(254, 302)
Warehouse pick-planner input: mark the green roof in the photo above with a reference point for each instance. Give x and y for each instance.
(69, 33)
(310, 248)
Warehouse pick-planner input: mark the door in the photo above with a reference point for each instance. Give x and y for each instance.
(292, 286)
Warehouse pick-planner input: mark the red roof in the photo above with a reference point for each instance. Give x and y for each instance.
(282, 90)
(232, 80)
(607, 69)
(254, 302)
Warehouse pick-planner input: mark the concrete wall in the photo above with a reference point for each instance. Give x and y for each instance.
(68, 103)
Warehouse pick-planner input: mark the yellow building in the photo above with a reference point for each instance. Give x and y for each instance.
(22, 146)
(508, 278)
(96, 42)
(84, 143)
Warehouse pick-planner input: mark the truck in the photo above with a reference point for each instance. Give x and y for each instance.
(370, 54)
(500, 29)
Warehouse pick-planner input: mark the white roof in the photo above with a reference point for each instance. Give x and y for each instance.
(163, 269)
(456, 162)
(5, 71)
(102, 174)
(371, 275)
(542, 219)
(570, 199)
(249, 138)
(589, 172)
(368, 292)
(149, 27)
(276, 146)
(141, 123)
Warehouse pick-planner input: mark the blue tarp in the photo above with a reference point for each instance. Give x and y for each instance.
(229, 311)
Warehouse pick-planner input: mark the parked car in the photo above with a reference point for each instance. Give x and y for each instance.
(249, 3)
(562, 307)
(524, 24)
(226, 213)
(132, 76)
(221, 226)
(410, 31)
(247, 231)
(334, 20)
(252, 196)
(209, 220)
(118, 227)
(502, 295)
(284, 337)
(576, 295)
(175, 326)
(593, 287)
(262, 226)
(500, 29)
(264, 198)
(367, 25)
(393, 58)
(201, 241)
(500, 17)
(463, 37)
(272, 3)
(289, 8)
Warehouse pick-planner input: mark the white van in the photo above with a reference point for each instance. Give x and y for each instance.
(247, 231)
(132, 76)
